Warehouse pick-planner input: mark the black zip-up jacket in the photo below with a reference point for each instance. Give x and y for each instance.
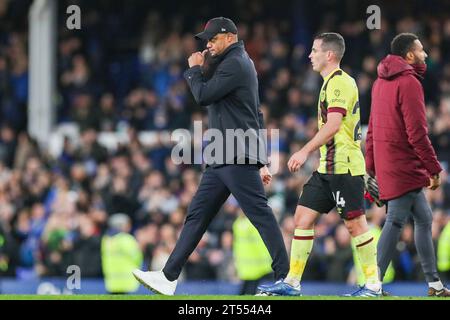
(231, 96)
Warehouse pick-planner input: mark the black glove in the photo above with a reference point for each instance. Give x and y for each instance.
(371, 187)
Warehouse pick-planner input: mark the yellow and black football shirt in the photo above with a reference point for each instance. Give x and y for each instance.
(342, 154)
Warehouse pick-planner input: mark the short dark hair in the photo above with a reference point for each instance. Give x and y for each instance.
(402, 44)
(332, 41)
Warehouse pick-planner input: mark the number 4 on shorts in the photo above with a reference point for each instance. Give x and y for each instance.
(340, 202)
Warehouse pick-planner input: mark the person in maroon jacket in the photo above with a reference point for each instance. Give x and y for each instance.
(400, 156)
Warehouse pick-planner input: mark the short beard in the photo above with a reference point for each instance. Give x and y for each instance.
(417, 60)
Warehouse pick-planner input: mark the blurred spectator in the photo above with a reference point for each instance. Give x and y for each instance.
(90, 151)
(198, 265)
(443, 252)
(120, 255)
(252, 260)
(406, 263)
(9, 251)
(56, 246)
(148, 238)
(339, 255)
(86, 249)
(8, 145)
(83, 112)
(27, 148)
(108, 113)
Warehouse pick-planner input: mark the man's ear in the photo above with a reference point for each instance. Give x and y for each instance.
(330, 55)
(410, 57)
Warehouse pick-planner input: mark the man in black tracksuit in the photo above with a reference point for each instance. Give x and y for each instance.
(231, 96)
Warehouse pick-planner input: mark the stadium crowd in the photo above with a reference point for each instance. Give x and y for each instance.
(123, 72)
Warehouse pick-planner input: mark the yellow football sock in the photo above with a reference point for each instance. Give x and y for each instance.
(301, 248)
(367, 253)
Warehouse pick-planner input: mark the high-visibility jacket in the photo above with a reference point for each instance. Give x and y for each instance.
(252, 260)
(443, 250)
(120, 256)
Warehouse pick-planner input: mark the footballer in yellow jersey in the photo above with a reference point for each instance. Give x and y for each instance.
(342, 154)
(339, 181)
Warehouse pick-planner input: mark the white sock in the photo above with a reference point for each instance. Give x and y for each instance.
(436, 285)
(374, 286)
(293, 282)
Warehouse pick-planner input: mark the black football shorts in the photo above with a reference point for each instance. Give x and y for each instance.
(323, 192)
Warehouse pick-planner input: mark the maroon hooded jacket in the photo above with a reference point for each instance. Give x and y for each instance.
(398, 150)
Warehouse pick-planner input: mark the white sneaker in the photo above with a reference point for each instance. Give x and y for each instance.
(156, 281)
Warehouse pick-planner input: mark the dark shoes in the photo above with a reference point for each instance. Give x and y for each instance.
(445, 293)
